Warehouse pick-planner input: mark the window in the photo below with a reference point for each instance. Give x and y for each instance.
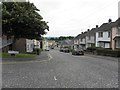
(27, 47)
(31, 45)
(118, 30)
(101, 44)
(81, 40)
(89, 37)
(108, 34)
(100, 34)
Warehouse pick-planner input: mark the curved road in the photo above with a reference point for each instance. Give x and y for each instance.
(62, 70)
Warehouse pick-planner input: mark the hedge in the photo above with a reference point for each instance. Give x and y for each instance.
(108, 52)
(91, 49)
(37, 50)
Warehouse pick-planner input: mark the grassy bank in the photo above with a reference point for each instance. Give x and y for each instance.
(6, 55)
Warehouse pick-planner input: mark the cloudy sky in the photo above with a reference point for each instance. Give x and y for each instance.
(71, 17)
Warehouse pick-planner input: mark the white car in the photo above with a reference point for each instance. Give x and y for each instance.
(47, 49)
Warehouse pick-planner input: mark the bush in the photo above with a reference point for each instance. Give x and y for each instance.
(91, 49)
(37, 50)
(108, 52)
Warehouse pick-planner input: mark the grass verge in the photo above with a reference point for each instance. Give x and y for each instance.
(6, 55)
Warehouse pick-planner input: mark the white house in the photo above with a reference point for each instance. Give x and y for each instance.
(82, 41)
(103, 35)
(36, 43)
(45, 44)
(76, 42)
(79, 41)
(90, 37)
(26, 45)
(29, 45)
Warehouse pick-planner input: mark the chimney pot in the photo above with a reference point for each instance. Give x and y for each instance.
(110, 20)
(96, 26)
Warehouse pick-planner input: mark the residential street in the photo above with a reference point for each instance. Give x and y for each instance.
(61, 70)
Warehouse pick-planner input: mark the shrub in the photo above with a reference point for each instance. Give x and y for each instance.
(91, 49)
(108, 52)
(37, 50)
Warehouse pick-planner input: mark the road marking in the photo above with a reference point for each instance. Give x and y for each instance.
(44, 60)
(55, 78)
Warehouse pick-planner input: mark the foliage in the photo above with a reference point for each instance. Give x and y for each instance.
(7, 55)
(37, 50)
(91, 49)
(61, 38)
(22, 20)
(108, 52)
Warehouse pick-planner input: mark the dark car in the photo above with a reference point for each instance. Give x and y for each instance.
(78, 52)
(66, 50)
(61, 49)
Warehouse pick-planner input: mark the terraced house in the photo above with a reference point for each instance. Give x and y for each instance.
(115, 37)
(79, 41)
(105, 36)
(90, 37)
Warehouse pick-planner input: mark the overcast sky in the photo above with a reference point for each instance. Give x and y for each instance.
(71, 17)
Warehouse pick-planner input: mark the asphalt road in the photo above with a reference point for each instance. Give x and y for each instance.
(61, 70)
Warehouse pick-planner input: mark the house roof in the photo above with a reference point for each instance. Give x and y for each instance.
(82, 35)
(103, 27)
(92, 31)
(66, 42)
(106, 26)
(117, 22)
(77, 36)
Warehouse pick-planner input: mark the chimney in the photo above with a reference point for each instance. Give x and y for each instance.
(82, 32)
(110, 20)
(96, 26)
(88, 30)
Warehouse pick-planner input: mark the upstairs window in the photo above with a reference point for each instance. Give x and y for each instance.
(108, 34)
(89, 37)
(118, 30)
(100, 34)
(81, 40)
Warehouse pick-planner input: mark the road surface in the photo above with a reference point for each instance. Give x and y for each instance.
(62, 70)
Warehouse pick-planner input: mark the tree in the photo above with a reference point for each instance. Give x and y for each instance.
(22, 20)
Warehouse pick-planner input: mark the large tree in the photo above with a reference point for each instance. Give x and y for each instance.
(22, 20)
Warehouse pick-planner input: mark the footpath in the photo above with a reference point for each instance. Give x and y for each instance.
(102, 57)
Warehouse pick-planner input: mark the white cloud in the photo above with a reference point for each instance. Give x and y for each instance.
(70, 17)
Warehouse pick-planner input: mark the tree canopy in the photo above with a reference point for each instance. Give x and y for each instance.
(22, 20)
(61, 38)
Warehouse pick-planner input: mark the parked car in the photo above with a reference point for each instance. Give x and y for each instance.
(66, 50)
(47, 49)
(52, 47)
(78, 52)
(61, 49)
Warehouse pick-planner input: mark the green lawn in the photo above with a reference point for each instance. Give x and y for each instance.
(6, 55)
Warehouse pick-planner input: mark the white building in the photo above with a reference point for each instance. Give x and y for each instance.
(103, 35)
(45, 44)
(36, 43)
(29, 45)
(90, 37)
(79, 41)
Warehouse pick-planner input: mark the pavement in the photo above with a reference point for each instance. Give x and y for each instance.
(62, 70)
(103, 57)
